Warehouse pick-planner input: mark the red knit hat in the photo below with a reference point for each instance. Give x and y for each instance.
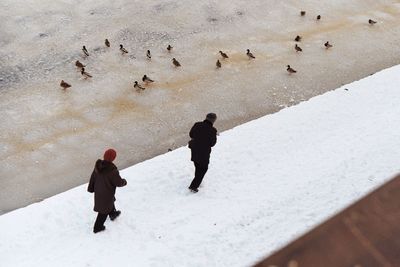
(110, 155)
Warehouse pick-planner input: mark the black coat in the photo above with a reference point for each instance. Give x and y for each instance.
(204, 137)
(103, 182)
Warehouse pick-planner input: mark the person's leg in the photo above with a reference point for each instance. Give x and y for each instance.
(201, 170)
(99, 224)
(114, 214)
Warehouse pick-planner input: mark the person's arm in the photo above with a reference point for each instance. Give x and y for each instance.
(191, 133)
(117, 180)
(213, 140)
(90, 188)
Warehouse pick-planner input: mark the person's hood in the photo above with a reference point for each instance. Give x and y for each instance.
(103, 165)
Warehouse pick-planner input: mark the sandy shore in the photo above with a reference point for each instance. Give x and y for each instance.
(50, 139)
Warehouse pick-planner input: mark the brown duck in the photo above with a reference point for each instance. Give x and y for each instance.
(218, 64)
(64, 85)
(169, 48)
(298, 38)
(290, 69)
(85, 74)
(319, 17)
(122, 49)
(328, 45)
(298, 48)
(371, 22)
(302, 13)
(148, 54)
(146, 79)
(223, 55)
(138, 86)
(85, 51)
(250, 55)
(79, 64)
(176, 62)
(107, 43)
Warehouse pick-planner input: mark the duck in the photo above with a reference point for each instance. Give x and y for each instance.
(290, 69)
(85, 74)
(223, 55)
(319, 17)
(218, 64)
(107, 43)
(298, 48)
(148, 54)
(146, 79)
(328, 45)
(250, 55)
(298, 38)
(122, 49)
(85, 51)
(64, 84)
(176, 62)
(302, 13)
(138, 86)
(79, 64)
(371, 22)
(169, 48)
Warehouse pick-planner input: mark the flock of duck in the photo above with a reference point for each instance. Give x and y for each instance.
(146, 80)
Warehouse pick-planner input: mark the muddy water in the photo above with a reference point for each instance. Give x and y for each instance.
(50, 138)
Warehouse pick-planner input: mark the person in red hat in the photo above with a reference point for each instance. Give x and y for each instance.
(103, 182)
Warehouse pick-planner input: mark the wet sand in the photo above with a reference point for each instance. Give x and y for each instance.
(50, 138)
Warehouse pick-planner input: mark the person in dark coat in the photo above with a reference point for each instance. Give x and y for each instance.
(103, 182)
(203, 137)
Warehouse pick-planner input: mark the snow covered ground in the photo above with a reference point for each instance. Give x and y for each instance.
(270, 180)
(48, 138)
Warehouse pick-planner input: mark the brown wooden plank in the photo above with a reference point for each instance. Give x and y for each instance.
(366, 234)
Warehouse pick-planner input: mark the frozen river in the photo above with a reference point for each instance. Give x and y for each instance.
(50, 138)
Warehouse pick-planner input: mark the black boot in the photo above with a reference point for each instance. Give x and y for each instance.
(113, 215)
(96, 230)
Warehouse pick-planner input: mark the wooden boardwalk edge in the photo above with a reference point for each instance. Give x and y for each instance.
(366, 234)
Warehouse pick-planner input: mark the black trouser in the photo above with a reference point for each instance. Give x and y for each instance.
(201, 170)
(101, 218)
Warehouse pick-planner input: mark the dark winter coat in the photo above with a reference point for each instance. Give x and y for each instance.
(103, 182)
(204, 137)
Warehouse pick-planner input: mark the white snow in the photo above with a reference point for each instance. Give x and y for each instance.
(40, 40)
(270, 180)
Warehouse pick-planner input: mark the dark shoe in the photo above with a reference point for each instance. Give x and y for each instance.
(194, 190)
(99, 230)
(114, 215)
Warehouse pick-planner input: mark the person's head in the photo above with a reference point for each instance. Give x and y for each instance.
(211, 117)
(110, 155)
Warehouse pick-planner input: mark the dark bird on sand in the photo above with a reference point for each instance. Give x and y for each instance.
(298, 38)
(371, 22)
(176, 62)
(298, 48)
(328, 45)
(138, 86)
(250, 55)
(290, 69)
(64, 85)
(85, 51)
(85, 74)
(122, 49)
(319, 17)
(223, 55)
(147, 79)
(107, 43)
(169, 48)
(79, 64)
(148, 54)
(218, 64)
(302, 13)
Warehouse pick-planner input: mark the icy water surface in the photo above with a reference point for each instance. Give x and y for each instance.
(50, 138)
